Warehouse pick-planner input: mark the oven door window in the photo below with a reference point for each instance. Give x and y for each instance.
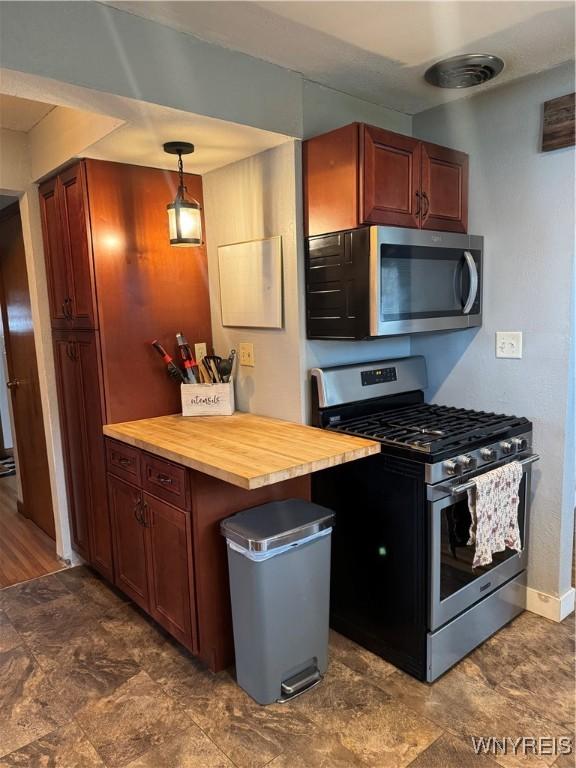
(420, 282)
(456, 555)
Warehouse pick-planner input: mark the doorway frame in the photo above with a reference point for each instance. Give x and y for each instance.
(29, 206)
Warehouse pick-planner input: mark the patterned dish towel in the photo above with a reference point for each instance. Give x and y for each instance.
(493, 505)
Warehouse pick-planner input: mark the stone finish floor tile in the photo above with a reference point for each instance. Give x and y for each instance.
(359, 659)
(465, 707)
(380, 731)
(91, 589)
(451, 752)
(524, 637)
(322, 751)
(66, 747)
(86, 676)
(9, 638)
(134, 718)
(23, 596)
(46, 628)
(89, 666)
(189, 749)
(29, 707)
(544, 684)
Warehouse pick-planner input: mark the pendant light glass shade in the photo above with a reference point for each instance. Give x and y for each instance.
(184, 222)
(184, 216)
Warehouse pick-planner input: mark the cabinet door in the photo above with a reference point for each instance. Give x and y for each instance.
(170, 569)
(77, 242)
(129, 531)
(57, 270)
(444, 189)
(72, 424)
(389, 178)
(87, 354)
(77, 357)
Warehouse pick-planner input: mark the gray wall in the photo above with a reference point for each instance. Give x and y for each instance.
(119, 53)
(522, 201)
(249, 200)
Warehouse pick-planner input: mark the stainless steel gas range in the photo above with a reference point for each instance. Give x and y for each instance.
(402, 578)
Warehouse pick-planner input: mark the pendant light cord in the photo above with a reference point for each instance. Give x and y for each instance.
(181, 188)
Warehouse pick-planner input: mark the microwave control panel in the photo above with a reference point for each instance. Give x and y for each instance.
(378, 376)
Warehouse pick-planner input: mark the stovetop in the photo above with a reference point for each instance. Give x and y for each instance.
(428, 432)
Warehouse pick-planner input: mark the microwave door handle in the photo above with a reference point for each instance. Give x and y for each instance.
(473, 292)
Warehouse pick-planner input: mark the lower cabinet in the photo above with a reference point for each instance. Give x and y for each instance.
(169, 555)
(169, 559)
(153, 557)
(129, 536)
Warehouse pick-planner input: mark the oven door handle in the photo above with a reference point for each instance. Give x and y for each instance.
(456, 489)
(473, 292)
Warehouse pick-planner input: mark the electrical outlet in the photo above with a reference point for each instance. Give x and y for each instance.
(200, 351)
(247, 354)
(509, 344)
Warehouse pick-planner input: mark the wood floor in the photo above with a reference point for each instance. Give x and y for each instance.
(25, 550)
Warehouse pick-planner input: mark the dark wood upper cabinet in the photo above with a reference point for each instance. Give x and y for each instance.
(77, 242)
(170, 575)
(359, 174)
(390, 178)
(57, 269)
(444, 188)
(65, 218)
(129, 531)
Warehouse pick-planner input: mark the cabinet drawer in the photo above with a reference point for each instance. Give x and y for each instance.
(123, 461)
(165, 480)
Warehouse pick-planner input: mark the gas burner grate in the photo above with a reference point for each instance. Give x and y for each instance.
(431, 428)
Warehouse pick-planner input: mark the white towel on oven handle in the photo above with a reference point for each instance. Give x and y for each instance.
(493, 504)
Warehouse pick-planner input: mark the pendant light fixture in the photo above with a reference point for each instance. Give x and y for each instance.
(184, 216)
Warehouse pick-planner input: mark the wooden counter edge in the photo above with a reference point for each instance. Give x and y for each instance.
(248, 483)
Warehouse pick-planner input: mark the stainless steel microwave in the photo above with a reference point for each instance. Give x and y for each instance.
(385, 281)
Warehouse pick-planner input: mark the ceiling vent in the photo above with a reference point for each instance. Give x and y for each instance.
(464, 71)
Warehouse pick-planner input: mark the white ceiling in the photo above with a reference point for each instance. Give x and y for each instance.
(18, 114)
(376, 50)
(149, 126)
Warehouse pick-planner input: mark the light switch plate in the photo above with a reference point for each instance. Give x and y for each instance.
(200, 351)
(509, 344)
(247, 354)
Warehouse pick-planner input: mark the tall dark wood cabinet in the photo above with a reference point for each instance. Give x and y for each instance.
(114, 284)
(360, 174)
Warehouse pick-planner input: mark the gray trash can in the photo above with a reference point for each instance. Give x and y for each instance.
(279, 564)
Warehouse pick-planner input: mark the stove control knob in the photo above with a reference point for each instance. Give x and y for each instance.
(506, 447)
(488, 454)
(451, 467)
(466, 463)
(519, 443)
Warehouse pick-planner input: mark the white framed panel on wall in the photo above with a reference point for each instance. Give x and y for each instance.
(251, 283)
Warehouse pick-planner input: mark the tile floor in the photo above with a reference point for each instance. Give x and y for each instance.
(87, 680)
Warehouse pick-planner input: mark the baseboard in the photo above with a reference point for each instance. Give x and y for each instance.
(20, 508)
(549, 606)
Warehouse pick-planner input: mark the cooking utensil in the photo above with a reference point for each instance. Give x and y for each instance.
(213, 363)
(173, 371)
(226, 366)
(188, 358)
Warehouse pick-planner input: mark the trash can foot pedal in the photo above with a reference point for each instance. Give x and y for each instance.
(299, 683)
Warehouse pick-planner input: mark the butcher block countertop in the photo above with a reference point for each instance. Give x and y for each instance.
(243, 449)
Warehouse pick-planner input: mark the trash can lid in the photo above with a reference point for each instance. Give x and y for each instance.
(276, 524)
